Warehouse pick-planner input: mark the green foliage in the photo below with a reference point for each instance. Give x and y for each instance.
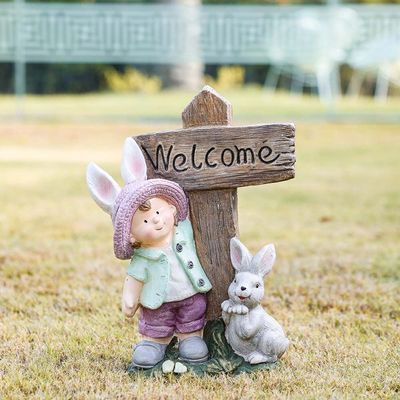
(228, 77)
(131, 80)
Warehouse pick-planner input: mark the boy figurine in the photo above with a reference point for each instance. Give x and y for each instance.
(165, 277)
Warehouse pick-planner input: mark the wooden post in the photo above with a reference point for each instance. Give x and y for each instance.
(213, 212)
(210, 160)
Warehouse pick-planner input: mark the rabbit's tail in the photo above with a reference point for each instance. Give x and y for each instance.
(281, 346)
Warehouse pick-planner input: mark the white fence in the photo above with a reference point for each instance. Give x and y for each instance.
(104, 33)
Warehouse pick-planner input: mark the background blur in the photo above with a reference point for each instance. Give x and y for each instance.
(342, 55)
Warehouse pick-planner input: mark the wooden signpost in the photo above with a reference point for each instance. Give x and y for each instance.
(210, 159)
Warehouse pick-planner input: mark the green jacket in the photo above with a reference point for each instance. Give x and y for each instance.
(151, 266)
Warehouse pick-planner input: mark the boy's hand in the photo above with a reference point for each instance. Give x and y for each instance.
(131, 295)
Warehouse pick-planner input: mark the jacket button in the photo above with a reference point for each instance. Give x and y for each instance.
(179, 248)
(201, 282)
(190, 264)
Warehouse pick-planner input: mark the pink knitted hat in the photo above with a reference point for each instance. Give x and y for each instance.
(122, 204)
(128, 201)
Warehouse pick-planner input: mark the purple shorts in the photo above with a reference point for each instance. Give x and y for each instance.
(183, 316)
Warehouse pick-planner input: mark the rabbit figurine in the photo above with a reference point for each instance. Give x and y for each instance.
(252, 333)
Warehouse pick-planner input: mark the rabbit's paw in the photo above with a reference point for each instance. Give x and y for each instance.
(227, 306)
(240, 309)
(258, 358)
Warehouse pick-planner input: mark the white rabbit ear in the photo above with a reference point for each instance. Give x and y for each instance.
(133, 166)
(240, 256)
(263, 261)
(102, 187)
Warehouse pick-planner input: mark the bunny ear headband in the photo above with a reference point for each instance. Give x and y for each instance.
(242, 260)
(122, 204)
(103, 187)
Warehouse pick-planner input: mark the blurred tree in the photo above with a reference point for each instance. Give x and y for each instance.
(188, 75)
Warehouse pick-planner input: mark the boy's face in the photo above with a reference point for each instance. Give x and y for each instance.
(154, 228)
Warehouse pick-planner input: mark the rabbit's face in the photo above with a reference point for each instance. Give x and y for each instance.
(247, 289)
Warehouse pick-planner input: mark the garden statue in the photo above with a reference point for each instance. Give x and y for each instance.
(164, 276)
(175, 262)
(252, 333)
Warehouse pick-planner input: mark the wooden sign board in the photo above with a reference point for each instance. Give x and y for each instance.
(217, 157)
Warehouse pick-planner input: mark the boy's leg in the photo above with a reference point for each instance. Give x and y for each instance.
(157, 327)
(190, 320)
(182, 336)
(165, 340)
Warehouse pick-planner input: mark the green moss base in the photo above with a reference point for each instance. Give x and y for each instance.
(222, 358)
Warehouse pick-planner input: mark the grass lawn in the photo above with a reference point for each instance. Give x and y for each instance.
(167, 106)
(334, 287)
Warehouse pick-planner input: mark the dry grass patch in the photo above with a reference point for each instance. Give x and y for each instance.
(335, 285)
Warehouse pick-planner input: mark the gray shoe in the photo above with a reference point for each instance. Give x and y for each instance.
(193, 350)
(147, 354)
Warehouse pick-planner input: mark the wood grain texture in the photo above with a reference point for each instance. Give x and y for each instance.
(207, 108)
(214, 218)
(218, 157)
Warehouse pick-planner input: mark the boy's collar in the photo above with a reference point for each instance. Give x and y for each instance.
(152, 253)
(155, 253)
